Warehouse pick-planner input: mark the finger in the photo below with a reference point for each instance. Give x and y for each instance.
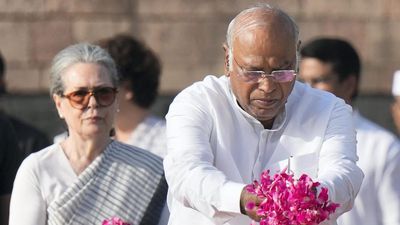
(253, 214)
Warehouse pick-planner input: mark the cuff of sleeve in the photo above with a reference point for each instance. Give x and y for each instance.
(230, 197)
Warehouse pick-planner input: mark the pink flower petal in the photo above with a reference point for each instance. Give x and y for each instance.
(290, 201)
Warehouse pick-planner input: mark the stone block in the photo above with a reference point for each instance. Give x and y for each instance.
(23, 80)
(291, 7)
(187, 49)
(393, 9)
(317, 9)
(345, 9)
(48, 38)
(89, 6)
(22, 6)
(368, 9)
(352, 31)
(382, 42)
(192, 8)
(44, 79)
(14, 41)
(207, 7)
(94, 30)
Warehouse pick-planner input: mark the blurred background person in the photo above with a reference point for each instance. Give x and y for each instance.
(9, 162)
(29, 138)
(333, 65)
(88, 177)
(139, 72)
(396, 104)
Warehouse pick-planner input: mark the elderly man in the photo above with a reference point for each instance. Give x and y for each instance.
(223, 132)
(333, 65)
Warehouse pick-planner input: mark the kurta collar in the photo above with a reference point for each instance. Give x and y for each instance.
(278, 122)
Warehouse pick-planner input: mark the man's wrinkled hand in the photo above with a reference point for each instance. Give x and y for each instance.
(247, 199)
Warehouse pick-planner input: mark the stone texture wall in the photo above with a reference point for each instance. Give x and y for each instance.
(188, 36)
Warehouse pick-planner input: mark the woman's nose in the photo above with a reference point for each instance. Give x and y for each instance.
(92, 102)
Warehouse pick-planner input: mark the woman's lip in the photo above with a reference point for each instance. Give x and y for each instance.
(94, 118)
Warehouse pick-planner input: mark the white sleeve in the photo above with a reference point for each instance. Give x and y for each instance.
(27, 206)
(337, 165)
(189, 170)
(389, 186)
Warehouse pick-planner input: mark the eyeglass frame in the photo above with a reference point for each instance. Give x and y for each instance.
(90, 92)
(263, 74)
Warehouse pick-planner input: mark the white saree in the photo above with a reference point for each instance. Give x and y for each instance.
(125, 182)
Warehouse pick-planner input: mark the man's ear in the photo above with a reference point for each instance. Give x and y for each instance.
(350, 86)
(226, 59)
(298, 46)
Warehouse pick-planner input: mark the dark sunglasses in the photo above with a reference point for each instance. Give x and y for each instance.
(79, 99)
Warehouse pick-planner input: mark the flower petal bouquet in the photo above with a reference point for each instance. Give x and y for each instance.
(114, 221)
(290, 201)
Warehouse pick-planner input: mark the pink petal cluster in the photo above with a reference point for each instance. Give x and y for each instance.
(290, 201)
(114, 221)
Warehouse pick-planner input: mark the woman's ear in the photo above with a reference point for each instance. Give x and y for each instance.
(226, 59)
(57, 102)
(128, 95)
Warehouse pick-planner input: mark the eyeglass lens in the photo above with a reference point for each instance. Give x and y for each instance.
(104, 96)
(278, 75)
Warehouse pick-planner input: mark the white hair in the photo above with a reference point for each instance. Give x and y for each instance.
(79, 53)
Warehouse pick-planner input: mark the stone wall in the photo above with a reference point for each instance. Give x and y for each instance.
(187, 35)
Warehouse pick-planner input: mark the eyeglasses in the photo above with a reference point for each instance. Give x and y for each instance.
(79, 99)
(254, 76)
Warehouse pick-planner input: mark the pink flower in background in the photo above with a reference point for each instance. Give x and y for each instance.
(114, 221)
(290, 201)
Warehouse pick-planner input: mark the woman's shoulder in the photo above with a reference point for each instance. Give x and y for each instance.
(42, 155)
(31, 166)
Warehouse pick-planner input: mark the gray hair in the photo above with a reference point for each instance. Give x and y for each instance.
(233, 30)
(79, 53)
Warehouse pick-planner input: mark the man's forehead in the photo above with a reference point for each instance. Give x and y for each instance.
(269, 21)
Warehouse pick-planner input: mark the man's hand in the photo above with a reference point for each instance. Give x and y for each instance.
(245, 198)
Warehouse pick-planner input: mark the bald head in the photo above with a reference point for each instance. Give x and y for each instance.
(271, 19)
(261, 15)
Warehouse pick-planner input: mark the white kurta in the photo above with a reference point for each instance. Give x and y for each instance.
(41, 179)
(150, 135)
(215, 148)
(378, 202)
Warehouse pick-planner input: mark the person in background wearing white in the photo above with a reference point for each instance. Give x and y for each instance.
(333, 65)
(139, 71)
(223, 132)
(88, 177)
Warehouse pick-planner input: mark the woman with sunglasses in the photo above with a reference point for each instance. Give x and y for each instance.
(88, 177)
